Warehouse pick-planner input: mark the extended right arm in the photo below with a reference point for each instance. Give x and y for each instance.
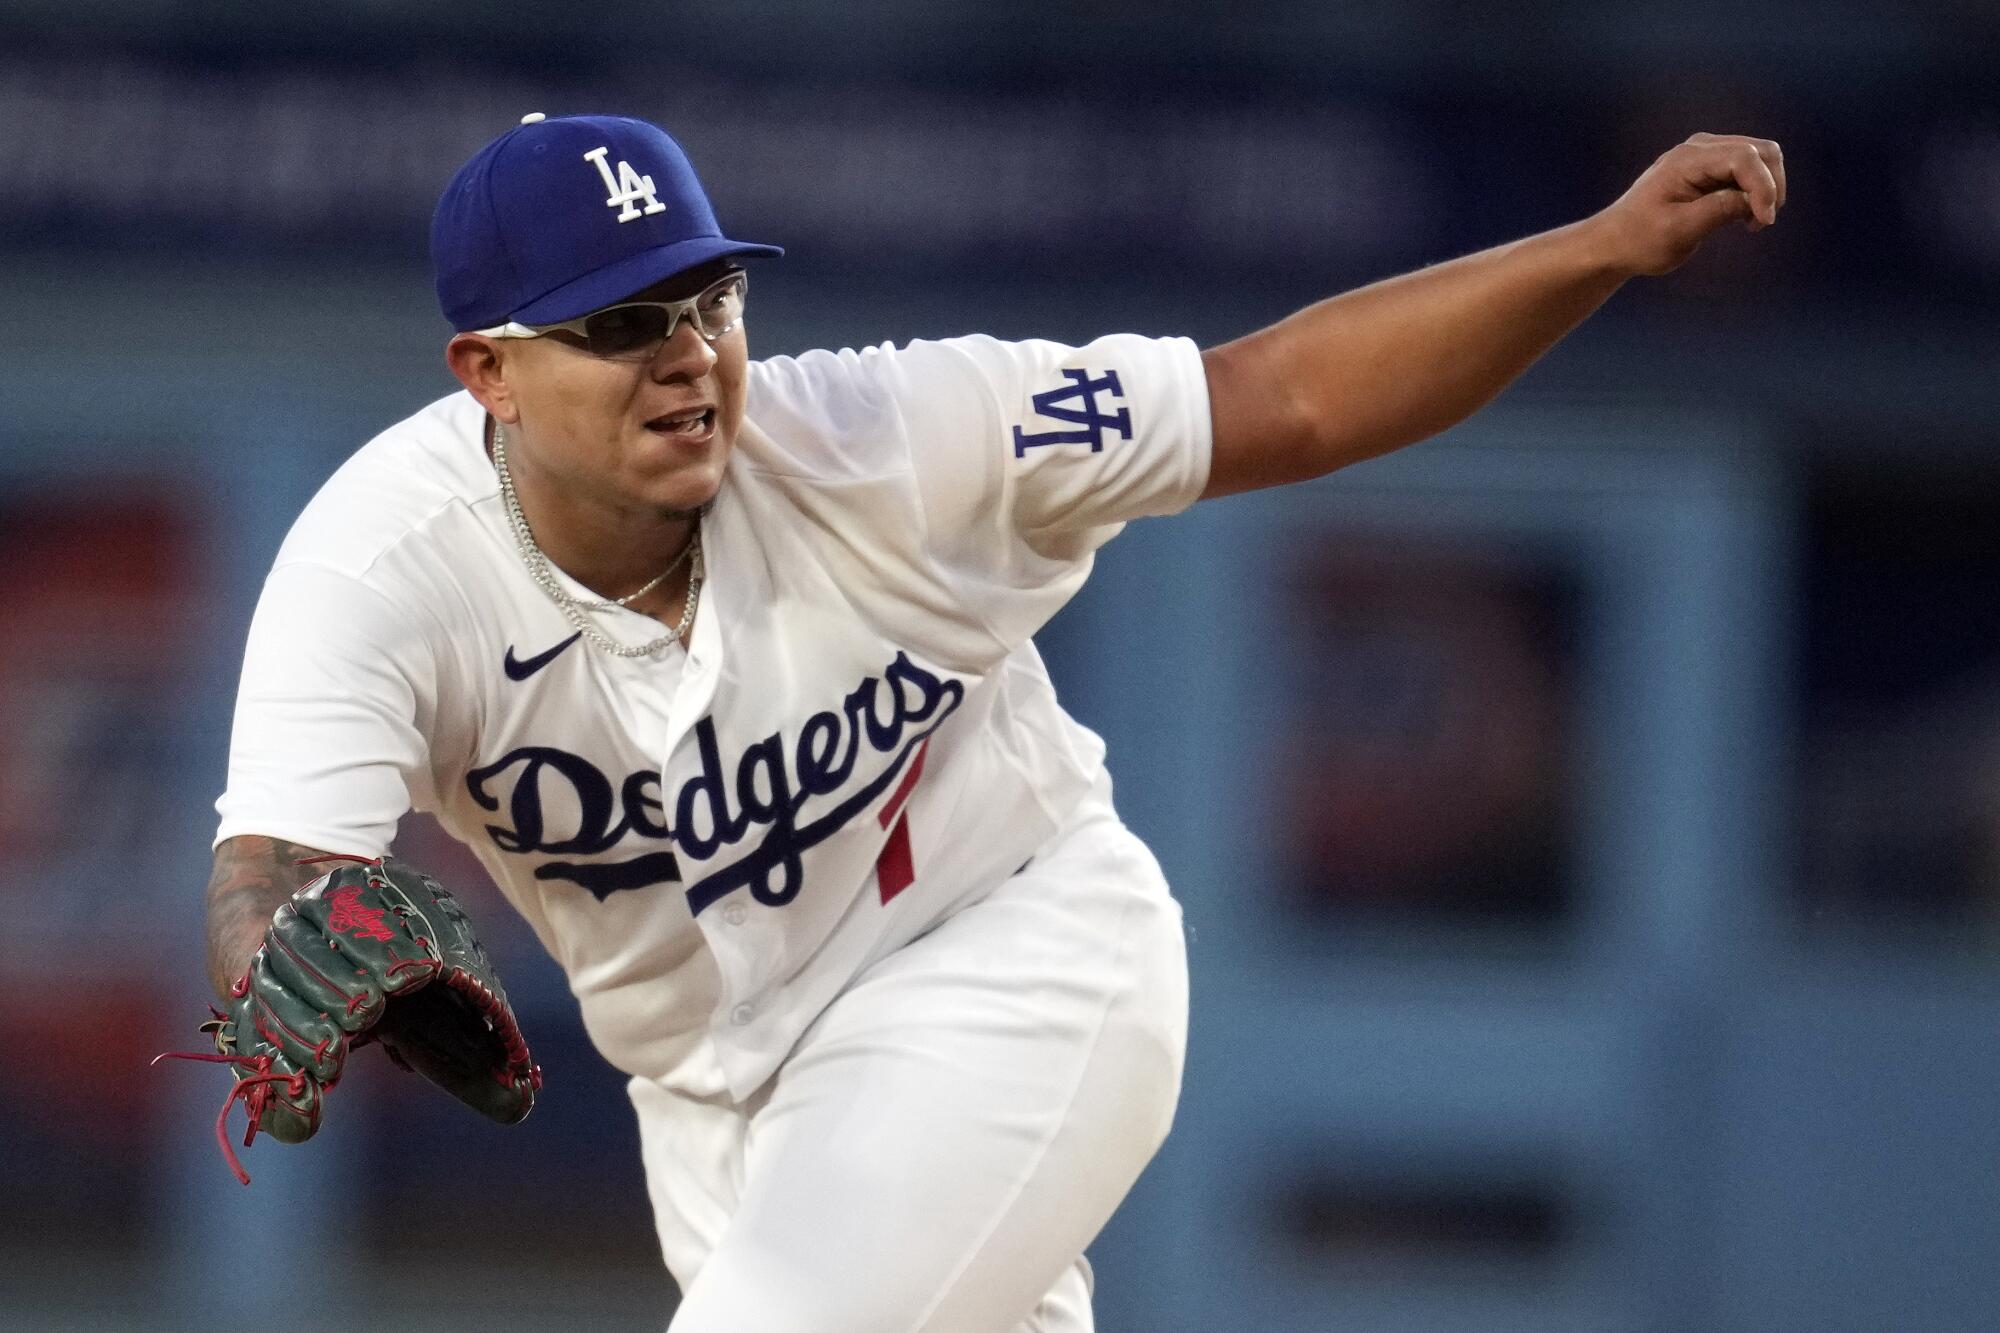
(252, 876)
(1397, 361)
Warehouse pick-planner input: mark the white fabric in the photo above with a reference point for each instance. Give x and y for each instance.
(978, 1102)
(876, 540)
(699, 840)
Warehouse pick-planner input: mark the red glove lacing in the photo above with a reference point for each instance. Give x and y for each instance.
(254, 1089)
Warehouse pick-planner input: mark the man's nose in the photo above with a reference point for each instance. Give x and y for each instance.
(685, 352)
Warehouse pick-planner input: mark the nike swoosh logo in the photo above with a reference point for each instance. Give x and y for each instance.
(517, 670)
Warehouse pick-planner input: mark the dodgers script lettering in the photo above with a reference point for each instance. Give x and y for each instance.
(770, 794)
(762, 793)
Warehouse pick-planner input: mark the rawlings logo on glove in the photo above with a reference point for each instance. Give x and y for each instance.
(349, 960)
(349, 917)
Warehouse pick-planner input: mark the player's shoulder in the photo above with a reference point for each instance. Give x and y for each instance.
(852, 377)
(847, 414)
(393, 488)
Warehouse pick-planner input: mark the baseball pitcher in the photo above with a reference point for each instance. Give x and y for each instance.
(725, 669)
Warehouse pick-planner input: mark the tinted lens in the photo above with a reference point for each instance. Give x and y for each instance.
(626, 330)
(717, 309)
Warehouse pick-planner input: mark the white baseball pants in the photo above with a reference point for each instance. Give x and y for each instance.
(955, 1128)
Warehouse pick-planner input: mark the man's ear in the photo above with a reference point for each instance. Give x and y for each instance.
(481, 367)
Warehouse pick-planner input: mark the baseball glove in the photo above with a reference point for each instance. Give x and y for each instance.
(370, 951)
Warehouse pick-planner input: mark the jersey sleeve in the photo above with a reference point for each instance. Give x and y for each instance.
(1051, 445)
(327, 749)
(1019, 459)
(1028, 456)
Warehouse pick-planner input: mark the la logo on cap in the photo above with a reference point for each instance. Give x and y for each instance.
(627, 188)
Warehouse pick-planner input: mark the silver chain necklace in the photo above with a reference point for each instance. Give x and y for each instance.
(573, 608)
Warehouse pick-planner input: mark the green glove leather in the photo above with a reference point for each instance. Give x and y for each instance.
(371, 951)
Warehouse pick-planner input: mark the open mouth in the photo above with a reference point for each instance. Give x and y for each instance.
(686, 425)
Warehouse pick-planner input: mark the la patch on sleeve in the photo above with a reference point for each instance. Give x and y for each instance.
(1076, 404)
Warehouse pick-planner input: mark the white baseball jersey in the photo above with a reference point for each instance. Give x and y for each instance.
(859, 740)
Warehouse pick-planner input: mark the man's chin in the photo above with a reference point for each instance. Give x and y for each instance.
(676, 514)
(690, 495)
(688, 492)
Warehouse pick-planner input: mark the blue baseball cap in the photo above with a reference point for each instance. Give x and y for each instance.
(557, 218)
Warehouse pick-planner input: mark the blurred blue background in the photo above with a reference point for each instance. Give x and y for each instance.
(1588, 823)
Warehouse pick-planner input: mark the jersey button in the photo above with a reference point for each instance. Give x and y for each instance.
(742, 1014)
(735, 914)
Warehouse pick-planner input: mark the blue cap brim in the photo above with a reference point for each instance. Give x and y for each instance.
(614, 282)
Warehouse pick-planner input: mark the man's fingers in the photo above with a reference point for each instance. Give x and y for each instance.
(1748, 172)
(1717, 208)
(1754, 166)
(1774, 158)
(1736, 165)
(1693, 189)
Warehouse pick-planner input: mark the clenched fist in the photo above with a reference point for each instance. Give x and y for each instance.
(1690, 191)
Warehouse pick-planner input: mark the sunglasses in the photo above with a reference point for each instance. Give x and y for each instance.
(636, 330)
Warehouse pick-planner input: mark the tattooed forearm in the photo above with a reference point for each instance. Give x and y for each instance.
(252, 876)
